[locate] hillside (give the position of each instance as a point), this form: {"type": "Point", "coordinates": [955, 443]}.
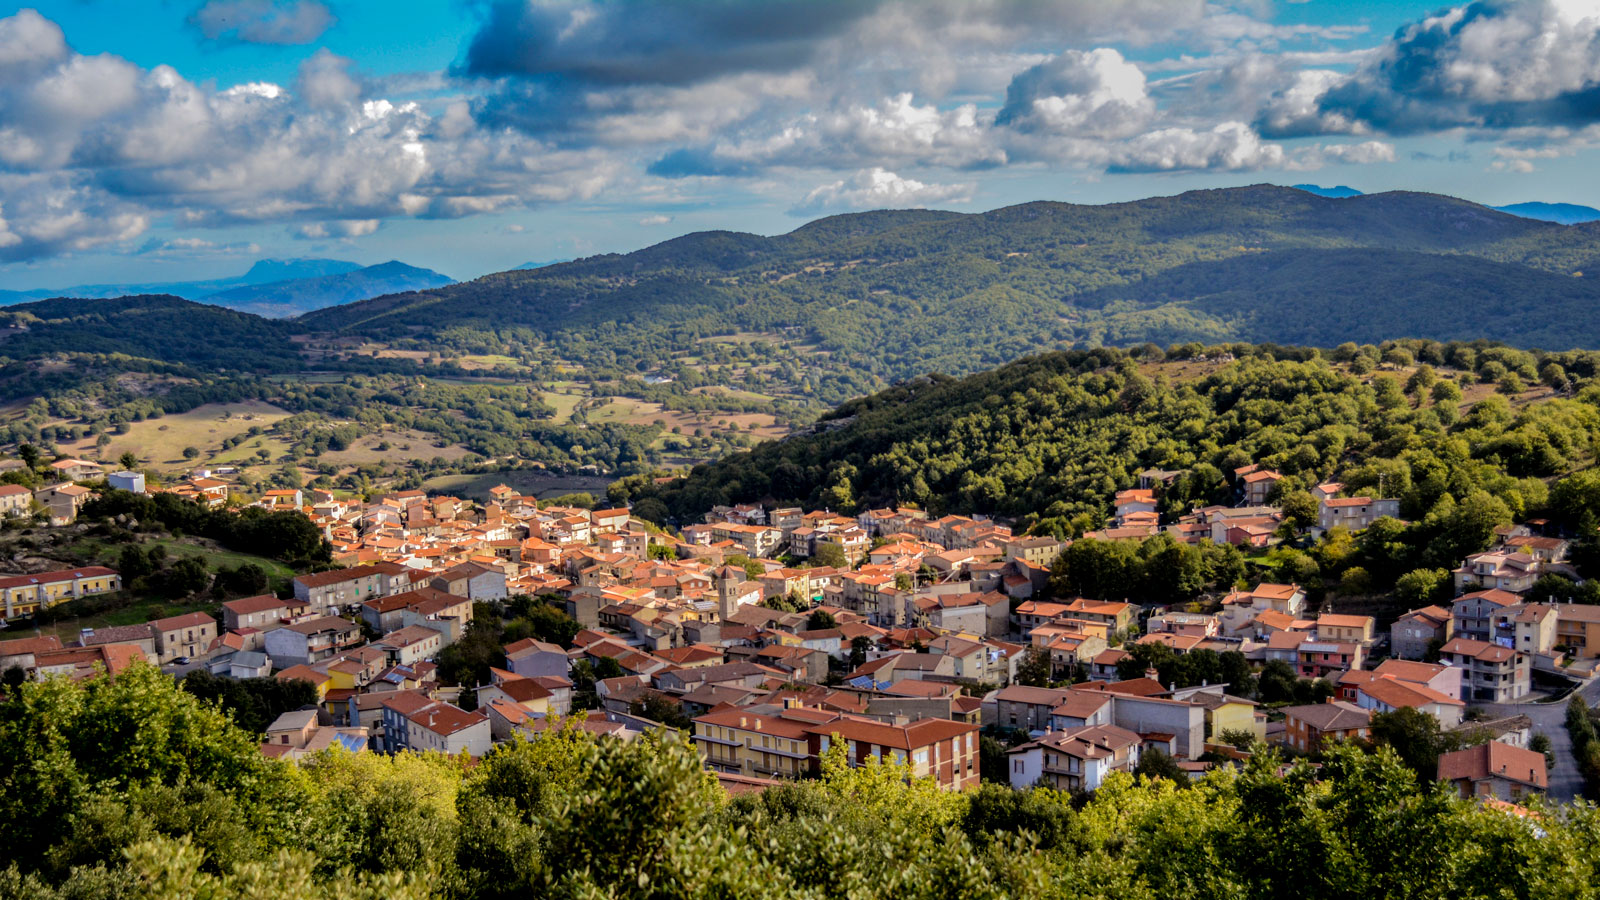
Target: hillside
{"type": "Point", "coordinates": [1049, 439]}
{"type": "Point", "coordinates": [858, 301]}
{"type": "Point", "coordinates": [1565, 213]}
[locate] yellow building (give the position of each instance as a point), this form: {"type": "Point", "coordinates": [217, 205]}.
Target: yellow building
{"type": "Point", "coordinates": [22, 595]}
{"type": "Point", "coordinates": [1578, 627]}
{"type": "Point", "coordinates": [1225, 712]}
{"type": "Point", "coordinates": [764, 740]}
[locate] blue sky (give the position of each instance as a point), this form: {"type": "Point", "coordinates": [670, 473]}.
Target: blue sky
{"type": "Point", "coordinates": [150, 140]}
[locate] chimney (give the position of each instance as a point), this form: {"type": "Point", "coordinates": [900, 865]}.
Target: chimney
{"type": "Point", "coordinates": [1152, 674]}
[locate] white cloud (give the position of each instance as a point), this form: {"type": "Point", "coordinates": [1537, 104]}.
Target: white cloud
{"type": "Point", "coordinates": [1085, 94]}
{"type": "Point", "coordinates": [651, 221]}
{"type": "Point", "coordinates": [339, 228]}
{"type": "Point", "coordinates": [878, 189]}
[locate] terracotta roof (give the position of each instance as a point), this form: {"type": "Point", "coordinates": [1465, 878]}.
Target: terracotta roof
{"type": "Point", "coordinates": [1335, 716]}
{"type": "Point", "coordinates": [1495, 760]}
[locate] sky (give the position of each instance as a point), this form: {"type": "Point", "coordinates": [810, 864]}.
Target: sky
{"type": "Point", "coordinates": [165, 140]}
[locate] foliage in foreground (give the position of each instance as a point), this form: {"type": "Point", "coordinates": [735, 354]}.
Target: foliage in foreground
{"type": "Point", "coordinates": [136, 789]}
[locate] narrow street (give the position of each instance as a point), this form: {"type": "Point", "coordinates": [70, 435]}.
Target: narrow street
{"type": "Point", "coordinates": [1549, 719]}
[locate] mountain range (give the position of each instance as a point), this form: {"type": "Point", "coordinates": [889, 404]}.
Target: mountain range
{"type": "Point", "coordinates": [846, 305]}
{"type": "Point", "coordinates": [1561, 213]}
{"type": "Point", "coordinates": [272, 288]}
{"type": "Point", "coordinates": [893, 294]}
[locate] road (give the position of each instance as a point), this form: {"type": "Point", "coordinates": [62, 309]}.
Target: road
{"type": "Point", "coordinates": [1549, 719]}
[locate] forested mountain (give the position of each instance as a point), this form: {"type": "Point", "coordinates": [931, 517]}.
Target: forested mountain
{"type": "Point", "coordinates": [1565, 213]}
{"type": "Point", "coordinates": [1051, 438]}
{"type": "Point", "coordinates": [881, 296]}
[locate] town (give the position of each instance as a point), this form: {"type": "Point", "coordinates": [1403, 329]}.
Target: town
{"type": "Point", "coordinates": [769, 635]}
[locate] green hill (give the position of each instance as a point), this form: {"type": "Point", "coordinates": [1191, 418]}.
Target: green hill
{"type": "Point", "coordinates": [859, 301]}
{"type": "Point", "coordinates": [1049, 439]}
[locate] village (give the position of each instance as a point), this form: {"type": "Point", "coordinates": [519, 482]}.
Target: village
{"type": "Point", "coordinates": [771, 634]}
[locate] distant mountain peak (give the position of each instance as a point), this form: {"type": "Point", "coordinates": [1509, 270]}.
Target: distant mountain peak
{"type": "Point", "coordinates": [1338, 192]}
{"type": "Point", "coordinates": [1561, 213]}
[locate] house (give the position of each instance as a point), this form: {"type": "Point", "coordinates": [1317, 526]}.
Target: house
{"type": "Point", "coordinates": [1346, 629]}
{"type": "Point", "coordinates": [763, 740]}
{"type": "Point", "coordinates": [15, 500]}
{"type": "Point", "coordinates": [1308, 729]}
{"type": "Point", "coordinates": [1413, 633]}
{"type": "Point", "coordinates": [299, 733]}
{"type": "Point", "coordinates": [411, 645]}
{"type": "Point", "coordinates": [78, 663]}
{"type": "Point", "coordinates": [529, 657]}
{"type": "Point", "coordinates": [1495, 771]}
{"type": "Point", "coordinates": [1027, 708]}
{"type": "Point", "coordinates": [76, 469]}
{"type": "Point", "coordinates": [261, 612]}
{"type": "Point", "coordinates": [132, 635]}
{"type": "Point", "coordinates": [1354, 513]}
{"type": "Point", "coordinates": [21, 652]}
{"type": "Point", "coordinates": [940, 749]}
{"type": "Point", "coordinates": [325, 591]}
{"type": "Point", "coordinates": [442, 728]}
{"type": "Point", "coordinates": [311, 641]}
{"type": "Point", "coordinates": [1489, 673]}
{"type": "Point", "coordinates": [1433, 676]}
{"type": "Point", "coordinates": [473, 581]}
{"type": "Point", "coordinates": [1257, 486]}
{"type": "Point", "coordinates": [1528, 627]}
{"type": "Point", "coordinates": [1078, 759]}
{"type": "Point", "coordinates": [1225, 712]}
{"type": "Point", "coordinates": [22, 595]}
{"type": "Point", "coordinates": [1387, 693]}
{"type": "Point", "coordinates": [181, 637]}
{"type": "Point", "coordinates": [1500, 570]}
{"type": "Point", "coordinates": [1319, 659]}
{"type": "Point", "coordinates": [1473, 613]}
{"type": "Point", "coordinates": [317, 678]}
{"type": "Point", "coordinates": [62, 501]}
{"type": "Point", "coordinates": [1578, 628]}
{"type": "Point", "coordinates": [132, 482]}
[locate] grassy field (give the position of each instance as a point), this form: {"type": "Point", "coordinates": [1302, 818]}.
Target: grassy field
{"type": "Point", "coordinates": [99, 552]}
{"type": "Point", "coordinates": [523, 481]}
{"type": "Point", "coordinates": [160, 442]}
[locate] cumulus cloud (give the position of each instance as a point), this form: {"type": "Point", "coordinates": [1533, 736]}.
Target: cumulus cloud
{"type": "Point", "coordinates": [878, 189]}
{"type": "Point", "coordinates": [93, 147]}
{"type": "Point", "coordinates": [1095, 93]}
{"type": "Point", "coordinates": [1487, 64]}
{"type": "Point", "coordinates": [263, 21]}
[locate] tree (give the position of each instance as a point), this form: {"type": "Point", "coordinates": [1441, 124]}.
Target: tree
{"type": "Point", "coordinates": [1237, 738]}
{"type": "Point", "coordinates": [657, 708]}
{"type": "Point", "coordinates": [1155, 764]}
{"type": "Point", "coordinates": [1300, 509]}
{"type": "Point", "coordinates": [128, 461]}
{"type": "Point", "coordinates": [191, 452]}
{"type": "Point", "coordinates": [1415, 737]}
{"type": "Point", "coordinates": [1034, 670]}
{"type": "Point", "coordinates": [29, 454]}
{"type": "Point", "coordinates": [831, 555]}
{"type": "Point", "coordinates": [821, 619]}
{"type": "Point", "coordinates": [133, 563]}
{"type": "Point", "coordinates": [860, 646]}
{"type": "Point", "coordinates": [185, 577]}
{"type": "Point", "coordinates": [1421, 587]}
